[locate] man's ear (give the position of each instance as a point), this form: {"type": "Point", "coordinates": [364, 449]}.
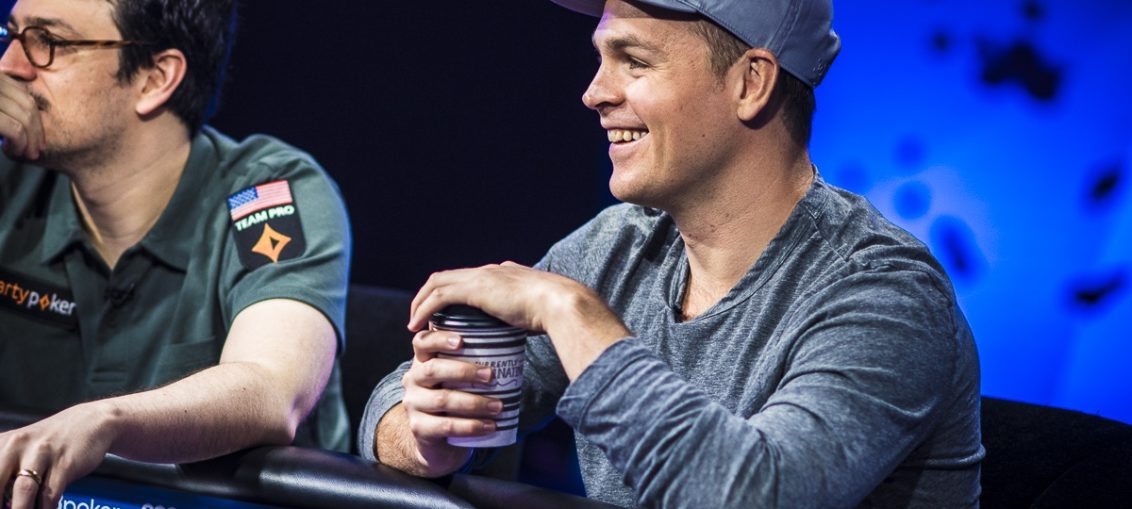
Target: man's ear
{"type": "Point", "coordinates": [760, 74]}
{"type": "Point", "coordinates": [160, 81]}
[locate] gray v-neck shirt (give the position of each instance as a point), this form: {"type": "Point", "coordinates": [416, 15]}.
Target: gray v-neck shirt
{"type": "Point", "coordinates": [838, 372]}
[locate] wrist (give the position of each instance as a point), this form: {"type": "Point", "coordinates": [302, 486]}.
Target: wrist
{"type": "Point", "coordinates": [581, 328]}
{"type": "Point", "coordinates": [106, 419]}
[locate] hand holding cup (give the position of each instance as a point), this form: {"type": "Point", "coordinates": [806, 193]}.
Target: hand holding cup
{"type": "Point", "coordinates": [489, 343]}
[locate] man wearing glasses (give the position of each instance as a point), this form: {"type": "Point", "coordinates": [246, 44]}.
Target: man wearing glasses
{"type": "Point", "coordinates": [169, 294]}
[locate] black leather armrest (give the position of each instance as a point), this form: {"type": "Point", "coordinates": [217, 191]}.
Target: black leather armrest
{"type": "Point", "coordinates": [292, 477]}
{"type": "Point", "coordinates": [488, 493]}
{"type": "Point", "coordinates": [312, 478]}
{"type": "Point", "coordinates": [283, 476]}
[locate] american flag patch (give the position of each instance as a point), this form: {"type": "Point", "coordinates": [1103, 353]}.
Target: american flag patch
{"type": "Point", "coordinates": [258, 198]}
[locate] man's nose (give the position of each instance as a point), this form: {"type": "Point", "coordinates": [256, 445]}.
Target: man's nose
{"type": "Point", "coordinates": [14, 62]}
{"type": "Point", "coordinates": [602, 91]}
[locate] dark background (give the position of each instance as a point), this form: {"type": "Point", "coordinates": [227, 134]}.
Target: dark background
{"type": "Point", "coordinates": [455, 129]}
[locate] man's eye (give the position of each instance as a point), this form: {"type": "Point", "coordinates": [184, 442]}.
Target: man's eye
{"type": "Point", "coordinates": [637, 64]}
{"type": "Point", "coordinates": [44, 39]}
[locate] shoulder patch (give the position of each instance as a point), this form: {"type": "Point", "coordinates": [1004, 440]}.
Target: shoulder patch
{"type": "Point", "coordinates": [37, 299]}
{"type": "Point", "coordinates": [266, 225]}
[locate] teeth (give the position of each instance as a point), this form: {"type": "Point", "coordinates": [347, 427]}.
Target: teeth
{"type": "Point", "coordinates": [623, 135]}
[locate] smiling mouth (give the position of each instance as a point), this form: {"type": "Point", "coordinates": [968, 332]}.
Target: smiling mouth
{"type": "Point", "coordinates": [625, 135]}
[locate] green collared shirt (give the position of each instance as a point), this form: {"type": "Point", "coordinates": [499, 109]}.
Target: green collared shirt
{"type": "Point", "coordinates": [249, 221]}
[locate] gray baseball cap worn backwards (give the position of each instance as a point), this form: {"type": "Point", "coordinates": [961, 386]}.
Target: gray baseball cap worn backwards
{"type": "Point", "coordinates": [798, 32]}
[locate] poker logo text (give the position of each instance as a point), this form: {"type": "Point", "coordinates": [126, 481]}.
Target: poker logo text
{"type": "Point", "coordinates": [30, 299]}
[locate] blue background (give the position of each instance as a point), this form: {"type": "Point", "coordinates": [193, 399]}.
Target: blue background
{"type": "Point", "coordinates": [998, 132]}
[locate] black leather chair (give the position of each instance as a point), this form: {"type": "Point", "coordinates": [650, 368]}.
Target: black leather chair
{"type": "Point", "coordinates": [376, 343]}
{"type": "Point", "coordinates": [1039, 457]}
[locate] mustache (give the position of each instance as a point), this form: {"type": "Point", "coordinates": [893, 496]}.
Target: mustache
{"type": "Point", "coordinates": [40, 102]}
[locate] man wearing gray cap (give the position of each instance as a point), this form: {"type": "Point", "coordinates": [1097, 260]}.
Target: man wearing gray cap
{"type": "Point", "coordinates": [739, 333]}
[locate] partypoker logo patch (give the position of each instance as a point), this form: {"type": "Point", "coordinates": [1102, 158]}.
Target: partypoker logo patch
{"type": "Point", "coordinates": [266, 225]}
{"type": "Point", "coordinates": [271, 243]}
{"type": "Point", "coordinates": [37, 299]}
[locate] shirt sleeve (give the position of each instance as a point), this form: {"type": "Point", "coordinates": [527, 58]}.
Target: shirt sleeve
{"type": "Point", "coordinates": [319, 275]}
{"type": "Point", "coordinates": [872, 358]}
{"type": "Point", "coordinates": [387, 394]}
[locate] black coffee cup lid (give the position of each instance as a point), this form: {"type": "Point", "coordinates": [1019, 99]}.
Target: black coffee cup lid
{"type": "Point", "coordinates": [466, 316]}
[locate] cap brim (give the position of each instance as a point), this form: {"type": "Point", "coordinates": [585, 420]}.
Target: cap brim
{"type": "Point", "coordinates": [590, 7]}
{"type": "Point", "coordinates": [595, 7]}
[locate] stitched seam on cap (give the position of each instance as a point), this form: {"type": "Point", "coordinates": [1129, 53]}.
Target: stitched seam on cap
{"type": "Point", "coordinates": [711, 16]}
{"type": "Point", "coordinates": [789, 21]}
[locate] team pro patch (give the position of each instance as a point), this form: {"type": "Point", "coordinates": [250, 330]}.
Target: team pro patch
{"type": "Point", "coordinates": [265, 222]}
{"type": "Point", "coordinates": [36, 299]}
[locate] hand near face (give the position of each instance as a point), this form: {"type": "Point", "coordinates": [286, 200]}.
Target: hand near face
{"type": "Point", "coordinates": [20, 124]}
{"type": "Point", "coordinates": [578, 321]}
{"type": "Point", "coordinates": [60, 449]}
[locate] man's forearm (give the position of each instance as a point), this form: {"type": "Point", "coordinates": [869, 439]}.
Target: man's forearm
{"type": "Point", "coordinates": [393, 443]}
{"type": "Point", "coordinates": [276, 360]}
{"type": "Point", "coordinates": [216, 411]}
{"type": "Point", "coordinates": [582, 328]}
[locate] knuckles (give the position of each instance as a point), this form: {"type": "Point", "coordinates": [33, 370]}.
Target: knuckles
{"type": "Point", "coordinates": [43, 448]}
{"type": "Point", "coordinates": [428, 370]}
{"type": "Point", "coordinates": [414, 424]}
{"type": "Point", "coordinates": [441, 370]}
{"type": "Point", "coordinates": [441, 399]}
{"type": "Point", "coordinates": [15, 439]}
{"type": "Point", "coordinates": [425, 342]}
{"type": "Point", "coordinates": [439, 293]}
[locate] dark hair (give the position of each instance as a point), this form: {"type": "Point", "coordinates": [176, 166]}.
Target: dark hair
{"type": "Point", "coordinates": [796, 97]}
{"type": "Point", "coordinates": [204, 30]}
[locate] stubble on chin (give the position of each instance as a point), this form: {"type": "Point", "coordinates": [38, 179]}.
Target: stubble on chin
{"type": "Point", "coordinates": [54, 155]}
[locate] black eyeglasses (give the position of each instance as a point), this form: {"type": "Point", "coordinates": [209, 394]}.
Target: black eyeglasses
{"type": "Point", "coordinates": [39, 44]}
